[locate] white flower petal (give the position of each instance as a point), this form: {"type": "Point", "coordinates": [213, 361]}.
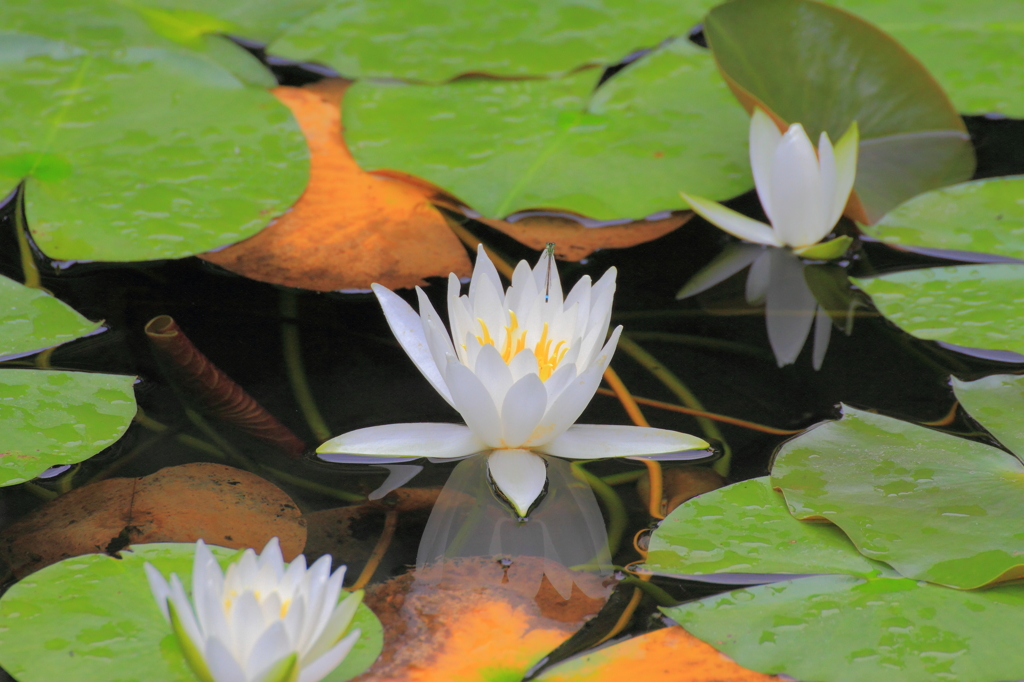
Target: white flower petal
{"type": "Point", "coordinates": [524, 362]}
{"type": "Point", "coordinates": [222, 663]}
{"type": "Point", "coordinates": [524, 406]}
{"type": "Point", "coordinates": [183, 610]}
{"type": "Point", "coordinates": [408, 330]}
{"type": "Point", "coordinates": [474, 403]}
{"type": "Point", "coordinates": [458, 317]}
{"type": "Point", "coordinates": [846, 172]}
{"type": "Point", "coordinates": [736, 224]}
{"type": "Point", "coordinates": [764, 138]}
{"type": "Point", "coordinates": [245, 620]}
{"type": "Point", "coordinates": [523, 289]}
{"type": "Point", "coordinates": [798, 211]}
{"type": "Point", "coordinates": [559, 379]}
{"type": "Point", "coordinates": [339, 621]}
{"type": "Point", "coordinates": [159, 587]}
{"type": "Point", "coordinates": [827, 172]}
{"type": "Point", "coordinates": [580, 294]}
{"type": "Point", "coordinates": [427, 313]}
{"type": "Point", "coordinates": [519, 475]}
{"type": "Point", "coordinates": [322, 666]}
{"type": "Point", "coordinates": [269, 649]}
{"type": "Point", "coordinates": [405, 440]}
{"type": "Point", "coordinates": [493, 373]}
{"type": "Point", "coordinates": [545, 274]}
{"type": "Point", "coordinates": [585, 441]}
{"type": "Point", "coordinates": [484, 270]}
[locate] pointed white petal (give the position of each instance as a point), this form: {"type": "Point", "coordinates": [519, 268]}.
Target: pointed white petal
{"type": "Point", "coordinates": [524, 406]}
{"type": "Point", "coordinates": [339, 621]}
{"type": "Point", "coordinates": [585, 441]}
{"type": "Point", "coordinates": [519, 475]}
{"type": "Point", "coordinates": [183, 609]}
{"type": "Point", "coordinates": [159, 587]}
{"type": "Point", "coordinates": [736, 224]}
{"type": "Point", "coordinates": [764, 138]}
{"type": "Point", "coordinates": [322, 666]}
{"type": "Point", "coordinates": [493, 373]}
{"type": "Point", "coordinates": [405, 440]}
{"type": "Point", "coordinates": [271, 647]}
{"type": "Point", "coordinates": [487, 306]}
{"type": "Point", "coordinates": [427, 312]}
{"type": "Point", "coordinates": [408, 329]}
{"type": "Point", "coordinates": [798, 211]}
{"type": "Point", "coordinates": [484, 270]}
{"type": "Point", "coordinates": [827, 172]}
{"type": "Point", "coordinates": [734, 257]}
{"type": "Point", "coordinates": [245, 620]}
{"type": "Point", "coordinates": [474, 403]}
{"type": "Point", "coordinates": [559, 379]}
{"type": "Point", "coordinates": [846, 171]}
{"type": "Point", "coordinates": [525, 362]}
{"type": "Point", "coordinates": [545, 274]}
{"type": "Point", "coordinates": [221, 663]}
{"type": "Point", "coordinates": [523, 289]}
{"type": "Point", "coordinates": [458, 317]}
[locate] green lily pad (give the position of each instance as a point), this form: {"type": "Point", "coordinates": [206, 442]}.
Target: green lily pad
{"type": "Point", "coordinates": [845, 629]}
{"type": "Point", "coordinates": [142, 153]}
{"type": "Point", "coordinates": [998, 403]}
{"type": "Point", "coordinates": [931, 505]}
{"type": "Point", "coordinates": [98, 612]}
{"type": "Point", "coordinates": [973, 49]}
{"type": "Point", "coordinates": [51, 417]}
{"type": "Point", "coordinates": [367, 39]}
{"type": "Point", "coordinates": [968, 305]}
{"type": "Point", "coordinates": [984, 216]}
{"type": "Point", "coordinates": [32, 320]}
{"type": "Point", "coordinates": [810, 63]}
{"type": "Point", "coordinates": [501, 146]}
{"type": "Point", "coordinates": [746, 529]}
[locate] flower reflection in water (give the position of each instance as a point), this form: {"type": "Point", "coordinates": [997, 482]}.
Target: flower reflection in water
{"type": "Point", "coordinates": [566, 530]}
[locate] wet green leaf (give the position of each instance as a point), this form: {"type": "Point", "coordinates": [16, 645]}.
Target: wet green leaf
{"type": "Point", "coordinates": [824, 68]}
{"type": "Point", "coordinates": [746, 528]}
{"type": "Point", "coordinates": [50, 417]}
{"type": "Point", "coordinates": [973, 49]}
{"type": "Point", "coordinates": [984, 216]}
{"type": "Point", "coordinates": [968, 305]}
{"type": "Point", "coordinates": [529, 38]}
{"type": "Point", "coordinates": [663, 123]}
{"type": "Point", "coordinates": [844, 629]}
{"type": "Point", "coordinates": [998, 403]}
{"type": "Point", "coordinates": [933, 506]}
{"type": "Point", "coordinates": [830, 250]}
{"type": "Point", "coordinates": [32, 320]}
{"type": "Point", "coordinates": [98, 612]}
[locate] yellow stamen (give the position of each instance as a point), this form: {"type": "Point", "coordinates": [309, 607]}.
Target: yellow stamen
{"type": "Point", "coordinates": [487, 335]}
{"type": "Point", "coordinates": [548, 358]}
{"type": "Point", "coordinates": [284, 607]}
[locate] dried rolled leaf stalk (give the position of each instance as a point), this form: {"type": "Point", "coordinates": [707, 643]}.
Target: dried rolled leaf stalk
{"type": "Point", "coordinates": [211, 390]}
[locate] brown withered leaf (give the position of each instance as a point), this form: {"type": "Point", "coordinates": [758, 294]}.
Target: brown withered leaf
{"type": "Point", "coordinates": [349, 228]}
{"type": "Point", "coordinates": [220, 504]}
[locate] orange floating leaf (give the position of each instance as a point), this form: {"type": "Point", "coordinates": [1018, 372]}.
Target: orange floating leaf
{"type": "Point", "coordinates": [349, 228]}
{"type": "Point", "coordinates": [667, 655]}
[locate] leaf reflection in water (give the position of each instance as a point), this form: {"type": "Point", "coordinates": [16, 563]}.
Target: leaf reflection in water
{"type": "Point", "coordinates": [566, 530]}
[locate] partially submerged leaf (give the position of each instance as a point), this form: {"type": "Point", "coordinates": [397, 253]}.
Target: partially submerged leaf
{"type": "Point", "coordinates": [98, 612]}
{"type": "Point", "coordinates": [50, 417]}
{"type": "Point", "coordinates": [933, 506]}
{"type": "Point", "coordinates": [967, 305]}
{"type": "Point", "coordinates": [805, 62]}
{"type": "Point", "coordinates": [220, 504]}
{"type": "Point", "coordinates": [666, 655]}
{"type": "Point", "coordinates": [32, 320]}
{"type": "Point", "coordinates": [845, 629]}
{"type": "Point", "coordinates": [349, 228]}
{"type": "Point", "coordinates": [997, 402]}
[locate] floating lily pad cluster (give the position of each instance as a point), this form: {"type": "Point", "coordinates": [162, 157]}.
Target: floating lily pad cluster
{"type": "Point", "coordinates": [49, 417]}
{"type": "Point", "coordinates": [888, 548]}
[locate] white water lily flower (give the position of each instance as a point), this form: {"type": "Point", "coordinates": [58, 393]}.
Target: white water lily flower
{"type": "Point", "coordinates": [520, 366]}
{"type": "Point", "coordinates": [802, 193]}
{"type": "Point", "coordinates": [261, 622]}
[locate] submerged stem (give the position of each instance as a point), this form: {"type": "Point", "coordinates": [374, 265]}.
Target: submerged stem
{"type": "Point", "coordinates": [390, 523]}
{"type": "Point", "coordinates": [294, 366]}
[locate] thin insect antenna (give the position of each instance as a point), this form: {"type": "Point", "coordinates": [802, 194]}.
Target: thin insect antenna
{"type": "Point", "coordinates": [550, 248]}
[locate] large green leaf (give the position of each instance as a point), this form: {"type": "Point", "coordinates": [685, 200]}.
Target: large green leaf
{"type": "Point", "coordinates": [663, 123]}
{"type": "Point", "coordinates": [97, 614]}
{"type": "Point", "coordinates": [810, 63]}
{"type": "Point", "coordinates": [984, 216]}
{"type": "Point", "coordinates": [998, 403]}
{"type": "Point", "coordinates": [844, 629]}
{"type": "Point", "coordinates": [31, 320]}
{"type": "Point", "coordinates": [933, 506]}
{"type": "Point", "coordinates": [50, 417]}
{"type": "Point", "coordinates": [436, 40]}
{"type": "Point", "coordinates": [142, 153]}
{"type": "Point", "coordinates": [973, 49]}
{"type": "Point", "coordinates": [746, 528]}
{"type": "Point", "coordinates": [968, 305]}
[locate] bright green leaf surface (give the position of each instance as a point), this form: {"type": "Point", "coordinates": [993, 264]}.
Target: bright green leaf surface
{"type": "Point", "coordinates": [974, 49]}
{"type": "Point", "coordinates": [31, 320]}
{"type": "Point", "coordinates": [661, 125]}
{"type": "Point", "coordinates": [985, 216]}
{"type": "Point", "coordinates": [163, 153]}
{"type": "Point", "coordinates": [384, 39]}
{"type": "Point", "coordinates": [968, 305]}
{"type": "Point", "coordinates": [842, 629]}
{"type": "Point", "coordinates": [998, 403]}
{"type": "Point", "coordinates": [747, 528]}
{"type": "Point", "coordinates": [49, 418]}
{"type": "Point", "coordinates": [813, 64]}
{"type": "Point", "coordinates": [933, 506]}
{"type": "Point", "coordinates": [98, 613]}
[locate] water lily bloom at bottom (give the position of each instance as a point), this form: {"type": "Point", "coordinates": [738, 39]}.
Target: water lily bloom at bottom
{"type": "Point", "coordinates": [261, 622]}
{"type": "Point", "coordinates": [520, 366]}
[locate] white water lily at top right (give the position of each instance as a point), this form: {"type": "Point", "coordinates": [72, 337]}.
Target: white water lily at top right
{"type": "Point", "coordinates": [802, 192]}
